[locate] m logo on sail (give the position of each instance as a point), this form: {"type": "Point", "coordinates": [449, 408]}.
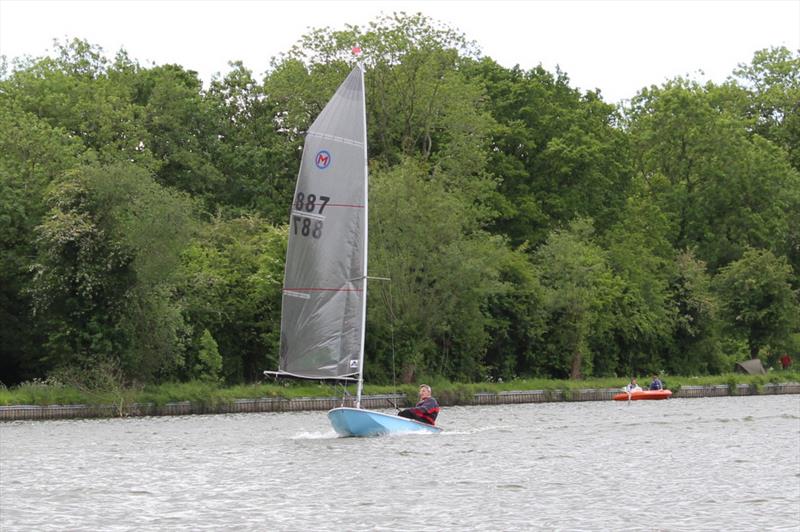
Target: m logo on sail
{"type": "Point", "coordinates": [322, 160]}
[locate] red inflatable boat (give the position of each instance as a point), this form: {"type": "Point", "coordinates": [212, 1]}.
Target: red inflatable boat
{"type": "Point", "coordinates": [644, 394]}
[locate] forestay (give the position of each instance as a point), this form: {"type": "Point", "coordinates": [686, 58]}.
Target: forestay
{"type": "Point", "coordinates": [324, 289]}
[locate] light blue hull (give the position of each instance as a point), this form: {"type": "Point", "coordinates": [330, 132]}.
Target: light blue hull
{"type": "Point", "coordinates": [358, 422]}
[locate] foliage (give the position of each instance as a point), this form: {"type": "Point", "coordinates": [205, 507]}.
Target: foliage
{"type": "Point", "coordinates": [182, 134]}
{"type": "Point", "coordinates": [772, 82]}
{"type": "Point", "coordinates": [52, 392]}
{"type": "Point", "coordinates": [721, 189]}
{"type": "Point", "coordinates": [579, 289]}
{"type": "Point", "coordinates": [442, 270]}
{"type": "Point", "coordinates": [209, 361]}
{"type": "Point", "coordinates": [530, 229]}
{"type": "Point", "coordinates": [258, 162]}
{"type": "Point", "coordinates": [518, 319]}
{"type": "Point", "coordinates": [230, 280]}
{"type": "Point", "coordinates": [758, 300]}
{"type": "Point", "coordinates": [642, 315]}
{"type": "Point", "coordinates": [556, 151]}
{"type": "Point", "coordinates": [695, 339]}
{"type": "Point", "coordinates": [32, 155]}
{"type": "Point", "coordinates": [105, 267]}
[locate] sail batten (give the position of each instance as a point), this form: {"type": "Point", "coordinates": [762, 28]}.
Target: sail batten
{"type": "Point", "coordinates": [324, 291]}
{"type": "Point", "coordinates": [353, 142]}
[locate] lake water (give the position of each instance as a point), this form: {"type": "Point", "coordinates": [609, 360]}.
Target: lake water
{"type": "Point", "coordinates": [729, 463]}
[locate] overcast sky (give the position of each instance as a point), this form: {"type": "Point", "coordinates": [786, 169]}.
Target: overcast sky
{"type": "Point", "coordinates": [616, 46]}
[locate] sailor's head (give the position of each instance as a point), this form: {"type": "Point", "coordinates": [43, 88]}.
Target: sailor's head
{"type": "Point", "coordinates": [424, 391]}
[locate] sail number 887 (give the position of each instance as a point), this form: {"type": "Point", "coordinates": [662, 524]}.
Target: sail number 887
{"type": "Point", "coordinates": [310, 202]}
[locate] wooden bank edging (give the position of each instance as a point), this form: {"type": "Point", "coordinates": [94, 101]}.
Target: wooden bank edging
{"type": "Point", "coordinates": [279, 404]}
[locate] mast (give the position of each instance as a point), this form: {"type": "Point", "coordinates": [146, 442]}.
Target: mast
{"type": "Point", "coordinates": [357, 51]}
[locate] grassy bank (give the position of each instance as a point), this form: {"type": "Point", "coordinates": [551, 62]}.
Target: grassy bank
{"type": "Point", "coordinates": [53, 393]}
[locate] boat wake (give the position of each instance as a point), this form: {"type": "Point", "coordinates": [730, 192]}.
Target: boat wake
{"type": "Point", "coordinates": [477, 430]}
{"type": "Point", "coordinates": [328, 435]}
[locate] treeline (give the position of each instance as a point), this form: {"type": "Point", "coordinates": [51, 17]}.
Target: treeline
{"type": "Point", "coordinates": [529, 229]}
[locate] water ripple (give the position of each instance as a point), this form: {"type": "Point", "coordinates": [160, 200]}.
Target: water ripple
{"type": "Point", "coordinates": [698, 464]}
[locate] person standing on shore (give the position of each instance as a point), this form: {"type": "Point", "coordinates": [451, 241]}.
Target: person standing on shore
{"type": "Point", "coordinates": [425, 410]}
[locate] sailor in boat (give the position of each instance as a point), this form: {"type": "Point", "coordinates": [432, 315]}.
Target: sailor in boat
{"type": "Point", "coordinates": [656, 383]}
{"type": "Point", "coordinates": [425, 410]}
{"type": "Point", "coordinates": [633, 386]}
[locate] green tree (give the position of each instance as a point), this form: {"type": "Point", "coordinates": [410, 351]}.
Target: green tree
{"type": "Point", "coordinates": [579, 289]}
{"type": "Point", "coordinates": [695, 345]}
{"type": "Point", "coordinates": [517, 319]}
{"type": "Point", "coordinates": [721, 189]}
{"type": "Point", "coordinates": [418, 102]}
{"type": "Point", "coordinates": [771, 83]}
{"type": "Point", "coordinates": [555, 151]}
{"type": "Point", "coordinates": [443, 270]}
{"type": "Point", "coordinates": [641, 257]}
{"type": "Point", "coordinates": [182, 132]}
{"type": "Point", "coordinates": [231, 278]}
{"type": "Point", "coordinates": [105, 260]}
{"type": "Point", "coordinates": [758, 302]}
{"type": "Point", "coordinates": [82, 92]}
{"type": "Point", "coordinates": [772, 80]}
{"type": "Point", "coordinates": [258, 162]}
{"type": "Point", "coordinates": [32, 155]}
{"type": "Point", "coordinates": [209, 361]}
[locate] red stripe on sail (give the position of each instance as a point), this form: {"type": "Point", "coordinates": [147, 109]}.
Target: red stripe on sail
{"type": "Point", "coordinates": [323, 290]}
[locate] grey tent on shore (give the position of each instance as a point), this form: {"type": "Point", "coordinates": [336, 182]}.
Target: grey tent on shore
{"type": "Point", "coordinates": [751, 367]}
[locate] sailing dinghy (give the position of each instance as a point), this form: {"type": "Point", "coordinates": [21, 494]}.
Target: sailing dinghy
{"type": "Point", "coordinates": [324, 298]}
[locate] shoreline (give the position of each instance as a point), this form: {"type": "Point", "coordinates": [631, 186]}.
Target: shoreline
{"type": "Point", "coordinates": [301, 404]}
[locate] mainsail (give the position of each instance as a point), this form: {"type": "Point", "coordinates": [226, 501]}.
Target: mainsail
{"type": "Point", "coordinates": [324, 287]}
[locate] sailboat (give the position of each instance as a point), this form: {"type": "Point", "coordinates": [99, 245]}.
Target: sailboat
{"type": "Point", "coordinates": [324, 301]}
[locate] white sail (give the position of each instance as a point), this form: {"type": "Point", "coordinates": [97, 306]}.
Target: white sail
{"type": "Point", "coordinates": [324, 289]}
